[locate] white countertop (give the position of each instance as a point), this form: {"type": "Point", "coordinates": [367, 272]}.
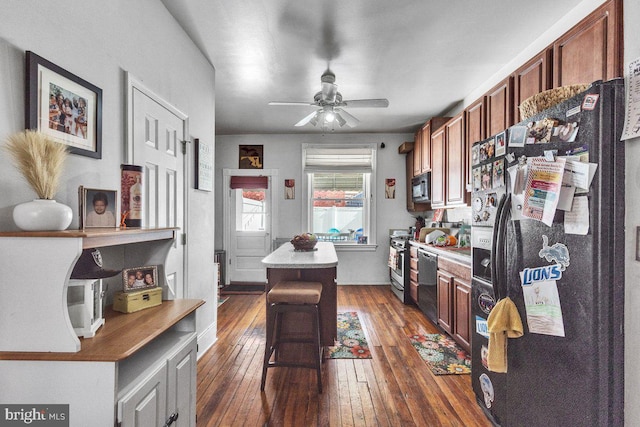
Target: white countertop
{"type": "Point", "coordinates": [462, 255]}
{"type": "Point", "coordinates": [286, 257]}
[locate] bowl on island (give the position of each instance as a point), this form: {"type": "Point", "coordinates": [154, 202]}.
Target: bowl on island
{"type": "Point", "coordinates": [304, 242]}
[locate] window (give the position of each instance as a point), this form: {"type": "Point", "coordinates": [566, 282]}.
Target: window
{"type": "Point", "coordinates": [252, 208]}
{"type": "Point", "coordinates": [340, 180]}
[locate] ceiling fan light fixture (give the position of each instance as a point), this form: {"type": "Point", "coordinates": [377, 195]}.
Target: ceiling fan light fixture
{"type": "Point", "coordinates": [341, 121]}
{"type": "Point", "coordinates": [329, 116]}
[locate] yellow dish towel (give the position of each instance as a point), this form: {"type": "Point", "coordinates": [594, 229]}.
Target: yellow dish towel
{"type": "Point", "coordinates": [503, 322]}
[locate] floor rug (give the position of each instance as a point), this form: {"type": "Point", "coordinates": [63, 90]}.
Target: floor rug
{"type": "Point", "coordinates": [442, 354]}
{"type": "Point", "coordinates": [242, 289]}
{"type": "Point", "coordinates": [351, 342]}
{"type": "Point", "coordinates": [222, 300]}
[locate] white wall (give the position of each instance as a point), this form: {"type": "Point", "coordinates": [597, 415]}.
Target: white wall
{"type": "Point", "coordinates": [284, 153]}
{"type": "Point", "coordinates": [98, 41]}
{"type": "Point", "coordinates": [632, 267]}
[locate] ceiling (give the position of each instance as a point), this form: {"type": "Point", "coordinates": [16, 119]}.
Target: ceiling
{"type": "Point", "coordinates": [424, 56]}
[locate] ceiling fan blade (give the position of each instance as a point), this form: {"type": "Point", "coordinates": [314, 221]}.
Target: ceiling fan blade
{"type": "Point", "coordinates": [308, 118]}
{"type": "Point", "coordinates": [365, 103]}
{"type": "Point", "coordinates": [292, 103]}
{"type": "Point", "coordinates": [348, 119]}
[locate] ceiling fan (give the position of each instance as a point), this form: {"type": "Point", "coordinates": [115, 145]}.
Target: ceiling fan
{"type": "Point", "coordinates": [331, 106]}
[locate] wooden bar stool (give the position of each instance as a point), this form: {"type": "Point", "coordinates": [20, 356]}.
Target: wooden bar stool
{"type": "Point", "coordinates": [287, 297]}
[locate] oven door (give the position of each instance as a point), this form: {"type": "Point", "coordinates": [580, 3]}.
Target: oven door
{"type": "Point", "coordinates": [399, 276]}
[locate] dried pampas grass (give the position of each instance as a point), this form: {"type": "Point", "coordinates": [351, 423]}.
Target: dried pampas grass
{"type": "Point", "coordinates": [40, 159]}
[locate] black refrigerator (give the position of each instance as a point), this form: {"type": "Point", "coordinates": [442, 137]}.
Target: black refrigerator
{"type": "Point", "coordinates": [568, 367]}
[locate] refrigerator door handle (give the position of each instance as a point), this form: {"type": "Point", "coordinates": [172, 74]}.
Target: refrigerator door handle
{"type": "Point", "coordinates": [495, 237]}
{"type": "Point", "coordinates": [501, 268]}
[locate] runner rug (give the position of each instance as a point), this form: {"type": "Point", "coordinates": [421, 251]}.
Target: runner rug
{"type": "Point", "coordinates": [442, 354]}
{"type": "Point", "coordinates": [351, 342]}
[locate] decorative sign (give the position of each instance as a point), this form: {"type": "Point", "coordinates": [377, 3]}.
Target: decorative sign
{"type": "Point", "coordinates": [250, 156]}
{"type": "Point", "coordinates": [204, 166]}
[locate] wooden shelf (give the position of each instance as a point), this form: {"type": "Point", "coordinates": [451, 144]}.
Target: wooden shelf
{"type": "Point", "coordinates": [101, 237]}
{"type": "Point", "coordinates": [122, 334]}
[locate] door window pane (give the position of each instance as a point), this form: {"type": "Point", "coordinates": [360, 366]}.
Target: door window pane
{"type": "Point", "coordinates": [251, 210]}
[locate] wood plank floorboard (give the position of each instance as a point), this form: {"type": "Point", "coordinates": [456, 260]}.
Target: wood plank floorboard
{"type": "Point", "coordinates": [393, 388]}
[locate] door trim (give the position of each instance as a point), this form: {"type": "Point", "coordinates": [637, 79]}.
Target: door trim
{"type": "Point", "coordinates": [134, 83]}
{"type": "Point", "coordinates": [274, 187]}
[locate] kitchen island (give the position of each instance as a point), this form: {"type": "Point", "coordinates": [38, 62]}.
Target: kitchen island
{"type": "Point", "coordinates": [318, 265]}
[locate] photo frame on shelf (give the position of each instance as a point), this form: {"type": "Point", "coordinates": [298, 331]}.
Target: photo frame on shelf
{"type": "Point", "coordinates": [98, 208]}
{"type": "Point", "coordinates": [139, 278]}
{"type": "Point", "coordinates": [63, 106]}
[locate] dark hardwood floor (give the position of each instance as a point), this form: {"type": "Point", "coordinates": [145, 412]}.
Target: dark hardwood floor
{"type": "Point", "coordinates": [394, 388]}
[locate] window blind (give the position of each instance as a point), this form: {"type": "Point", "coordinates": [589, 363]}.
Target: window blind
{"type": "Point", "coordinates": [335, 159]}
{"type": "Point", "coordinates": [249, 182]}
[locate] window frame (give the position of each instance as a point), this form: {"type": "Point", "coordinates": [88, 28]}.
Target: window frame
{"type": "Point", "coordinates": [369, 202]}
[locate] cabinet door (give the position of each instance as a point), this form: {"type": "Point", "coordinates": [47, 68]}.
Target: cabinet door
{"type": "Point", "coordinates": [455, 161]}
{"type": "Point", "coordinates": [474, 130]}
{"type": "Point", "coordinates": [532, 78]}
{"type": "Point", "coordinates": [591, 50]}
{"type": "Point", "coordinates": [426, 147]}
{"type": "Point", "coordinates": [146, 405]}
{"type": "Point", "coordinates": [499, 107]}
{"type": "Point", "coordinates": [437, 168]}
{"type": "Point", "coordinates": [181, 385]}
{"type": "Point", "coordinates": [462, 321]}
{"type": "Point", "coordinates": [417, 153]}
{"type": "Point", "coordinates": [445, 303]}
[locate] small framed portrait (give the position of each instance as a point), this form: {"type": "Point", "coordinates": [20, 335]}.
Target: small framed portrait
{"type": "Point", "coordinates": [390, 188]}
{"type": "Point", "coordinates": [98, 208]}
{"type": "Point", "coordinates": [475, 154]}
{"type": "Point", "coordinates": [63, 106]}
{"type": "Point", "coordinates": [289, 189]}
{"type": "Point", "coordinates": [362, 240]}
{"type": "Point", "coordinates": [517, 136]}
{"type": "Point", "coordinates": [501, 143]}
{"type": "Point", "coordinates": [138, 278]}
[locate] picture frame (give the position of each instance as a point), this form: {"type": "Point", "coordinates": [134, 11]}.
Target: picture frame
{"type": "Point", "coordinates": [637, 243]}
{"type": "Point", "coordinates": [98, 208]}
{"type": "Point", "coordinates": [139, 278]}
{"type": "Point", "coordinates": [289, 189]}
{"type": "Point", "coordinates": [63, 106]}
{"type": "Point", "coordinates": [501, 144]}
{"type": "Point", "coordinates": [203, 166]}
{"type": "Point", "coordinates": [250, 156]}
{"type": "Point", "coordinates": [517, 136]}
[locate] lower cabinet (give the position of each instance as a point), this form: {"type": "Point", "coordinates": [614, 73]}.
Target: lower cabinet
{"type": "Point", "coordinates": [166, 394]}
{"type": "Point", "coordinates": [454, 301]}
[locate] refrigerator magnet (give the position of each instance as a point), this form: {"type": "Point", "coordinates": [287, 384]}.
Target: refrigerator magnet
{"type": "Point", "coordinates": [590, 101]}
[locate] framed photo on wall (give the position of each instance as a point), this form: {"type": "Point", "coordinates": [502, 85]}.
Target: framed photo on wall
{"type": "Point", "coordinates": [63, 106]}
{"type": "Point", "coordinates": [250, 156]}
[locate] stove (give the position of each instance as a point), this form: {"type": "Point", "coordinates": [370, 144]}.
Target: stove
{"type": "Point", "coordinates": [399, 265]}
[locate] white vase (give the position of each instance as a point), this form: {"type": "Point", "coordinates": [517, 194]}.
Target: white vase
{"type": "Point", "coordinates": [42, 215]}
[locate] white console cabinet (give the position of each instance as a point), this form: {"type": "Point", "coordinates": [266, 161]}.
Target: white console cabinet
{"type": "Point", "coordinates": [138, 370]}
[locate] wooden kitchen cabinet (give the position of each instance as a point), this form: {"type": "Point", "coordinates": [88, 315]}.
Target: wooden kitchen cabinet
{"type": "Point", "coordinates": [592, 49]}
{"type": "Point", "coordinates": [438, 168]}
{"type": "Point", "coordinates": [531, 78]}
{"type": "Point", "coordinates": [411, 206]}
{"type": "Point", "coordinates": [454, 300]}
{"type": "Point", "coordinates": [456, 161]}
{"type": "Point", "coordinates": [413, 273]}
{"type": "Point", "coordinates": [417, 154]}
{"type": "Point", "coordinates": [474, 117]}
{"type": "Point", "coordinates": [425, 152]}
{"type": "Point", "coordinates": [499, 107]}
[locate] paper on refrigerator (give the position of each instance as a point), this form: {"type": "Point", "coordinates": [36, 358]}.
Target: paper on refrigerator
{"type": "Point", "coordinates": [542, 192]}
{"type": "Point", "coordinates": [631, 127]}
{"type": "Point", "coordinates": [542, 301]}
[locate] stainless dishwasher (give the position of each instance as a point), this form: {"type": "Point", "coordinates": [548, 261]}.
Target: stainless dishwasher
{"type": "Point", "coordinates": [428, 284]}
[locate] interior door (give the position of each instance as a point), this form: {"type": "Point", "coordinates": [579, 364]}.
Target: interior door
{"type": "Point", "coordinates": [158, 132]}
{"type": "Point", "coordinates": [250, 233]}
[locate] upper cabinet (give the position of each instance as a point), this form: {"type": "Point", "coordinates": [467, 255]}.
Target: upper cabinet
{"type": "Point", "coordinates": [417, 153]}
{"type": "Point", "coordinates": [456, 158]}
{"type": "Point", "coordinates": [531, 78]}
{"type": "Point", "coordinates": [474, 117]}
{"type": "Point", "coordinates": [438, 168]}
{"type": "Point", "coordinates": [591, 50]}
{"type": "Point", "coordinates": [499, 107]}
{"type": "Point", "coordinates": [425, 153]}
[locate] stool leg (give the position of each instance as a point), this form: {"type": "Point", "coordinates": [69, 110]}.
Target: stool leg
{"type": "Point", "coordinates": [318, 346]}
{"type": "Point", "coordinates": [271, 317]}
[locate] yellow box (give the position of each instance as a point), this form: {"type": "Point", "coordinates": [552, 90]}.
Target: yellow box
{"type": "Point", "coordinates": [128, 302]}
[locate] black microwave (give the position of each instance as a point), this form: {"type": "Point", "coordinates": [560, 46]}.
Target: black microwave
{"type": "Point", "coordinates": [420, 188]}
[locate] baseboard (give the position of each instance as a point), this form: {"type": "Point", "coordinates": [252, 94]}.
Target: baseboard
{"type": "Point", "coordinates": [207, 338]}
